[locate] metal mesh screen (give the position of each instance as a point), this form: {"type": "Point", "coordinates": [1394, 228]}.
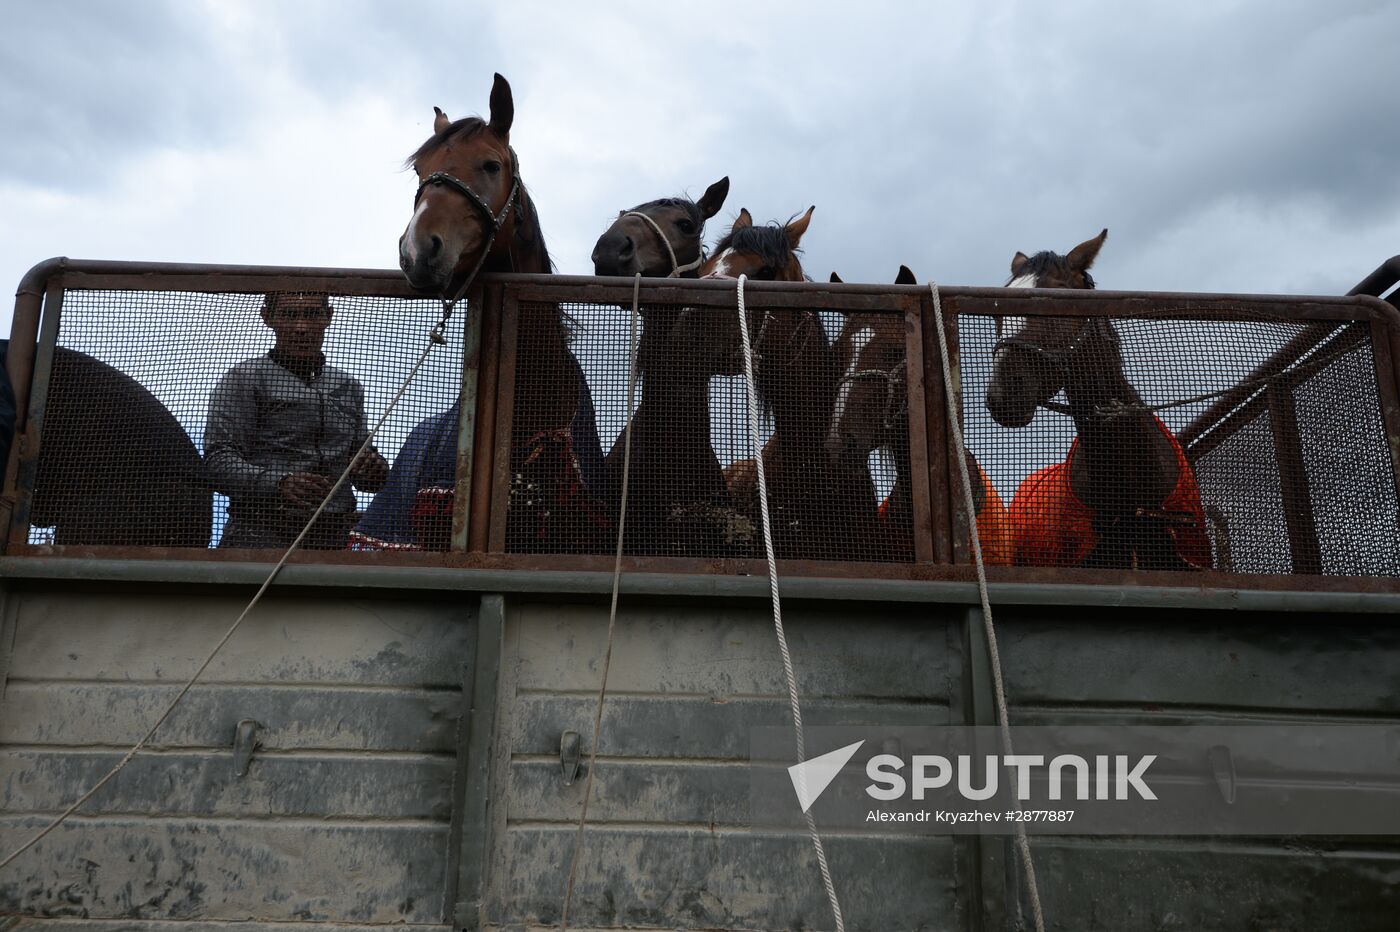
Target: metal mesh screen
{"type": "Point", "coordinates": [1291, 473]}
{"type": "Point", "coordinates": [835, 492]}
{"type": "Point", "coordinates": [140, 379]}
{"type": "Point", "coordinates": [1176, 439]}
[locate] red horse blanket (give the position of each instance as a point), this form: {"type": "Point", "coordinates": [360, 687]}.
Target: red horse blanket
{"type": "Point", "coordinates": [1052, 527]}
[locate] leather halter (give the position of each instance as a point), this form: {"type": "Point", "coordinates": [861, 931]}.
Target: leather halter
{"type": "Point", "coordinates": [894, 377]}
{"type": "Point", "coordinates": [493, 220]}
{"type": "Point", "coordinates": [1060, 358]}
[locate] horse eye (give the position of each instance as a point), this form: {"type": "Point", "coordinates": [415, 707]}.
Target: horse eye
{"type": "Point", "coordinates": [766, 272]}
{"type": "Point", "coordinates": [686, 226]}
{"type": "Point", "coordinates": [491, 167]}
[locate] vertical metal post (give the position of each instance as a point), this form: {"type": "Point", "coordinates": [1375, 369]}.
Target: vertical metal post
{"type": "Point", "coordinates": [29, 440]}
{"type": "Point", "coordinates": [938, 434]}
{"type": "Point", "coordinates": [470, 833]}
{"type": "Point", "coordinates": [466, 420]}
{"type": "Point", "coordinates": [1293, 480]}
{"type": "Point", "coordinates": [991, 853]}
{"type": "Point", "coordinates": [916, 407]}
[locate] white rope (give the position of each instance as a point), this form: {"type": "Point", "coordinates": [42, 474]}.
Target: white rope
{"type": "Point", "coordinates": [788, 673]}
{"type": "Point", "coordinates": [676, 267]}
{"type": "Point", "coordinates": [1023, 844]}
{"type": "Point", "coordinates": [612, 610]}
{"type": "Point", "coordinates": [435, 337]}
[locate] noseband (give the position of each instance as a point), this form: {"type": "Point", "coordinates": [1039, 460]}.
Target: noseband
{"type": "Point", "coordinates": [1058, 359]}
{"type": "Point", "coordinates": [1062, 358]}
{"type": "Point", "coordinates": [493, 220]}
{"type": "Point", "coordinates": [676, 267]}
{"type": "Point", "coordinates": [894, 377]}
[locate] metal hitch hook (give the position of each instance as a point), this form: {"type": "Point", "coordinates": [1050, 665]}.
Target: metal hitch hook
{"type": "Point", "coordinates": [245, 741]}
{"type": "Point", "coordinates": [570, 756]}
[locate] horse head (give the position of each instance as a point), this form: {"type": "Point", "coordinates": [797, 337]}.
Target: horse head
{"type": "Point", "coordinates": [763, 253]}
{"type": "Point", "coordinates": [661, 238]}
{"type": "Point", "coordinates": [1033, 354]}
{"type": "Point", "coordinates": [471, 207]}
{"type": "Point", "coordinates": [871, 393]}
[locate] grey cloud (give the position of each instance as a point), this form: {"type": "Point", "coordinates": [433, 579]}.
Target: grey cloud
{"type": "Point", "coordinates": [88, 85]}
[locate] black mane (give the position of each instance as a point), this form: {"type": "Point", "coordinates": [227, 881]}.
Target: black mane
{"type": "Point", "coordinates": [770, 242]}
{"type": "Point", "coordinates": [683, 203]}
{"type": "Point", "coordinates": [1048, 261]}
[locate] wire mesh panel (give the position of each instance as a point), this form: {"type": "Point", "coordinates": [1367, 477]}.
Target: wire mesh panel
{"type": "Point", "coordinates": [199, 419]}
{"type": "Point", "coordinates": [834, 433]}
{"type": "Point", "coordinates": [1172, 440]}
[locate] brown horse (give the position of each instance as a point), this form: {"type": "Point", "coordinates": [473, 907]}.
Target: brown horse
{"type": "Point", "coordinates": [1125, 497]}
{"type": "Point", "coordinates": [795, 378]}
{"type": "Point", "coordinates": [663, 238]}
{"type": "Point", "coordinates": [872, 412]}
{"type": "Point", "coordinates": [678, 504]}
{"type": "Point", "coordinates": [473, 213]}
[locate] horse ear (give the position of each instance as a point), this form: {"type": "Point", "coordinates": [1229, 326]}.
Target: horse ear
{"type": "Point", "coordinates": [797, 227]}
{"type": "Point", "coordinates": [905, 277]}
{"type": "Point", "coordinates": [440, 121]}
{"type": "Point", "coordinates": [502, 109]}
{"type": "Point", "coordinates": [836, 279]}
{"type": "Point", "coordinates": [1083, 255]}
{"type": "Point", "coordinates": [713, 198]}
{"type": "Point", "coordinates": [1018, 263]}
{"type": "Point", "coordinates": [745, 219]}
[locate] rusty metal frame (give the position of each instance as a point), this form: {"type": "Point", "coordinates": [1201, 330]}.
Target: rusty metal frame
{"type": "Point", "coordinates": [479, 530]}
{"type": "Point", "coordinates": [29, 439]}
{"type": "Point", "coordinates": [916, 412]}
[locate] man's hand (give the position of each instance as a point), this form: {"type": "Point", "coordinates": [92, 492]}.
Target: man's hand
{"type": "Point", "coordinates": [304, 488]}
{"type": "Point", "coordinates": [370, 471]}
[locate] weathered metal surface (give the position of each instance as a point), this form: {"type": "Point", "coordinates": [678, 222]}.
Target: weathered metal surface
{"type": "Point", "coordinates": [692, 877]}
{"type": "Point", "coordinates": [474, 796]}
{"type": "Point", "coordinates": [212, 869]}
{"type": "Point", "coordinates": [1159, 667]}
{"type": "Point", "coordinates": [198, 783]}
{"type": "Point", "coordinates": [343, 814]}
{"type": "Point", "coordinates": [668, 844]}
{"type": "Point", "coordinates": [1294, 884]}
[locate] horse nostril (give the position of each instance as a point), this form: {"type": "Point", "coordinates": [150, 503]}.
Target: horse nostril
{"type": "Point", "coordinates": [628, 247]}
{"type": "Point", "coordinates": [435, 245]}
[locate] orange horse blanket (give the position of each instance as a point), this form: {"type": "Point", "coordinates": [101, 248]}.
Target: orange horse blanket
{"type": "Point", "coordinates": [993, 523]}
{"type": "Point", "coordinates": [1052, 527]}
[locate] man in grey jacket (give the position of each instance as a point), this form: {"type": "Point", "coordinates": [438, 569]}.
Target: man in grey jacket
{"type": "Point", "coordinates": [282, 428]}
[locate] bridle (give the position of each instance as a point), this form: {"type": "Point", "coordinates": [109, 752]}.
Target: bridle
{"type": "Point", "coordinates": [1058, 359]}
{"type": "Point", "coordinates": [1062, 359]}
{"type": "Point", "coordinates": [493, 220]}
{"type": "Point", "coordinates": [895, 377]}
{"type": "Point", "coordinates": [676, 267]}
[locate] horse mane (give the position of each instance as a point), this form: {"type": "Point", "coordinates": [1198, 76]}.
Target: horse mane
{"type": "Point", "coordinates": [1048, 261]}
{"type": "Point", "coordinates": [769, 241]}
{"type": "Point", "coordinates": [466, 127]}
{"type": "Point", "coordinates": [683, 203]}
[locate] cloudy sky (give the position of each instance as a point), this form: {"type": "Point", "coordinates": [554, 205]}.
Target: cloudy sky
{"type": "Point", "coordinates": [1227, 146]}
